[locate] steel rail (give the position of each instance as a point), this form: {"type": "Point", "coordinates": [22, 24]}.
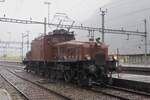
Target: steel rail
{"type": "Point", "coordinates": [48, 90]}
{"type": "Point", "coordinates": [26, 97]}
{"type": "Point", "coordinates": [80, 27]}
{"type": "Point", "coordinates": [129, 90]}
{"type": "Point", "coordinates": [109, 94]}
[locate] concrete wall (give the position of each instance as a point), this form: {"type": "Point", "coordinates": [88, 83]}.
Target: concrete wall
{"type": "Point", "coordinates": [134, 59]}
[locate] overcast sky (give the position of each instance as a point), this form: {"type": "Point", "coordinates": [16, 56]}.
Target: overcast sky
{"type": "Point", "coordinates": [130, 15]}
{"type": "Point", "coordinates": [76, 9]}
{"type": "Point", "coordinates": [82, 11]}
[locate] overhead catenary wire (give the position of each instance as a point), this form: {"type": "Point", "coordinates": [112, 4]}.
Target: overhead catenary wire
{"type": "Point", "coordinates": [113, 31]}
{"type": "Point", "coordinates": [128, 14]}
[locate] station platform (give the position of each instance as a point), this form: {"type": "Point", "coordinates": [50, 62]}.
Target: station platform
{"type": "Point", "coordinates": [135, 65]}
{"type": "Point", "coordinates": [136, 69]}
{"type": "Point", "coordinates": [132, 81]}
{"type": "Point", "coordinates": [133, 77]}
{"type": "Point", "coordinates": [4, 95]}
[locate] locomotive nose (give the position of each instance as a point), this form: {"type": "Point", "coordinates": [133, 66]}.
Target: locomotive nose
{"type": "Point", "coordinates": [92, 68]}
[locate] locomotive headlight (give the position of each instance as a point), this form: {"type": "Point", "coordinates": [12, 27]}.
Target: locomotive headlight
{"type": "Point", "coordinates": [87, 57]}
{"type": "Point", "coordinates": [92, 68]}
{"type": "Point", "coordinates": [115, 57]}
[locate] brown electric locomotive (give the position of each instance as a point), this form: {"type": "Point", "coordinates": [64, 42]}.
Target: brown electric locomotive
{"type": "Point", "coordinates": [59, 56]}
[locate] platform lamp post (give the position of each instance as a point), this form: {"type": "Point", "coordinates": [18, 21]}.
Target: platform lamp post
{"type": "Point", "coordinates": [22, 48]}
{"type": "Point", "coordinates": [48, 4]}
{"type": "Point", "coordinates": [145, 26]}
{"type": "Point", "coordinates": [2, 1]}
{"type": "Point", "coordinates": [23, 36]}
{"type": "Point", "coordinates": [103, 13]}
{"type": "Point", "coordinates": [8, 44]}
{"type": "Point", "coordinates": [28, 43]}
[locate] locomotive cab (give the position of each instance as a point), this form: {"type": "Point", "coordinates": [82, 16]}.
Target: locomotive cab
{"type": "Point", "coordinates": [100, 59]}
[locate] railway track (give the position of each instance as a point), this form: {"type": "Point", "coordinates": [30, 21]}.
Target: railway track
{"type": "Point", "coordinates": [78, 95]}
{"type": "Point", "coordinates": [31, 90]}
{"type": "Point", "coordinates": [136, 70]}
{"type": "Point", "coordinates": [115, 92]}
{"type": "Point", "coordinates": [75, 96]}
{"type": "Point", "coordinates": [121, 93]}
{"type": "Point", "coordinates": [129, 90]}
{"type": "Point", "coordinates": [26, 98]}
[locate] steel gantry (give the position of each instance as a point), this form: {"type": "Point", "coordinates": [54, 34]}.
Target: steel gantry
{"type": "Point", "coordinates": [13, 45]}
{"type": "Point", "coordinates": [81, 27]}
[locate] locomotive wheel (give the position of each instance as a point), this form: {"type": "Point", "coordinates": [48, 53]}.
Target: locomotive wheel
{"type": "Point", "coordinates": [27, 68]}
{"type": "Point", "coordinates": [67, 76]}
{"type": "Point", "coordinates": [90, 80]}
{"type": "Point", "coordinates": [82, 79]}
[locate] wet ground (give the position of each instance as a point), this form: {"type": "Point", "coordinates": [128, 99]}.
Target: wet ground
{"type": "Point", "coordinates": [4, 95]}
